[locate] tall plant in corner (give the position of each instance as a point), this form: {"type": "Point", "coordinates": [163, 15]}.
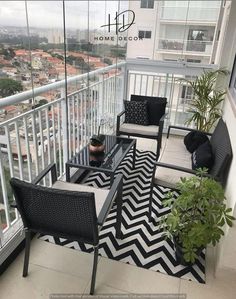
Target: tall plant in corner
{"type": "Point", "coordinates": [205, 106]}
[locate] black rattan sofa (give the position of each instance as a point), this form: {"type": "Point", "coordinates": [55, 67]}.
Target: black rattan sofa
{"type": "Point", "coordinates": [167, 172]}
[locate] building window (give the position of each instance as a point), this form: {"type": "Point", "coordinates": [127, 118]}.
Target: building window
{"type": "Point", "coordinates": [144, 34]}
{"type": "Point", "coordinates": [194, 60]}
{"type": "Point", "coordinates": [187, 92]}
{"type": "Point", "coordinates": [147, 4]}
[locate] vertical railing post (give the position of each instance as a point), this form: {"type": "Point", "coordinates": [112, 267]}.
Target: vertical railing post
{"type": "Point", "coordinates": [101, 99]}
{"type": "Point", "coordinates": [166, 85]}
{"type": "Point", "coordinates": [1, 233]}
{"type": "Point", "coordinates": [64, 126]}
{"type": "Point", "coordinates": [4, 191]}
{"type": "Point", "coordinates": [124, 85]}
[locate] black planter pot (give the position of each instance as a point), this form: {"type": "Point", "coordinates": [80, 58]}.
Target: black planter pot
{"type": "Point", "coordinates": [179, 255]}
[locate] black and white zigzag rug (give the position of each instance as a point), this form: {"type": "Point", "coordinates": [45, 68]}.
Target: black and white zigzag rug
{"type": "Point", "coordinates": [143, 244]}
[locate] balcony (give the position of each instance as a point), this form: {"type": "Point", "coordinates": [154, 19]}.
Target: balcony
{"type": "Point", "coordinates": [207, 15]}
{"type": "Point", "coordinates": [35, 138]}
{"type": "Point", "coordinates": [187, 47]}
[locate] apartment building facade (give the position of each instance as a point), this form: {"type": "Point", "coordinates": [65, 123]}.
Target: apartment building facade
{"type": "Point", "coordinates": [176, 30]}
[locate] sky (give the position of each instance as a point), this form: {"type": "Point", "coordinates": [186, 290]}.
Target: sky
{"type": "Point", "coordinates": [48, 14]}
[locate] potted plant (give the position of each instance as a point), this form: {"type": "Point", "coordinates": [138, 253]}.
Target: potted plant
{"type": "Point", "coordinates": [197, 216]}
{"type": "Point", "coordinates": [96, 141]}
{"type": "Point", "coordinates": [207, 95]}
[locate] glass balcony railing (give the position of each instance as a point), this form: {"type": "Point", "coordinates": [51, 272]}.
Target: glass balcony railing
{"type": "Point", "coordinates": [185, 45]}
{"type": "Point", "coordinates": [190, 14]}
{"type": "Point", "coordinates": [31, 140]}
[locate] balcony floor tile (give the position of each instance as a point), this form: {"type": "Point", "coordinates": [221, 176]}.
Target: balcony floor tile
{"type": "Point", "coordinates": [62, 259]}
{"type": "Point", "coordinates": [133, 279]}
{"type": "Point", "coordinates": [40, 283]}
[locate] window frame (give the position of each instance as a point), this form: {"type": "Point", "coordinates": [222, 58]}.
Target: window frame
{"type": "Point", "coordinates": [232, 82]}
{"type": "Point", "coordinates": [146, 4]}
{"type": "Point", "coordinates": [145, 33]}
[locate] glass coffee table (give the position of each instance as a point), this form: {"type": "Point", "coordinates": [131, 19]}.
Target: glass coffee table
{"type": "Point", "coordinates": [116, 148]}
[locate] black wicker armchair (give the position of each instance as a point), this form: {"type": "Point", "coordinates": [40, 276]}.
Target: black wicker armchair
{"type": "Point", "coordinates": [151, 126]}
{"type": "Point", "coordinates": [61, 212]}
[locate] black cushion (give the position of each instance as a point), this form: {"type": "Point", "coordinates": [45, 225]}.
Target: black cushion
{"type": "Point", "coordinates": [156, 107]}
{"type": "Point", "coordinates": [203, 156]}
{"type": "Point", "coordinates": [194, 139]}
{"type": "Point", "coordinates": [136, 113]}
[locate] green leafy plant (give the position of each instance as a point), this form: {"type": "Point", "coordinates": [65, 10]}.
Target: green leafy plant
{"type": "Point", "coordinates": [9, 87]}
{"type": "Point", "coordinates": [197, 214]}
{"type": "Point", "coordinates": [207, 95]}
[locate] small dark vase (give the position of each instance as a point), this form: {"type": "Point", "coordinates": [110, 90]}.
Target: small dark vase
{"type": "Point", "coordinates": [179, 255]}
{"type": "Point", "coordinates": [96, 148]}
{"type": "Point", "coordinates": [96, 144]}
{"type": "Point", "coordinates": [96, 158]}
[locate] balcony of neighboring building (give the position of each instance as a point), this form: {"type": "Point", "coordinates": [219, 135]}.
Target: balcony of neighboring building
{"type": "Point", "coordinates": [187, 40]}
{"type": "Point", "coordinates": [191, 12]}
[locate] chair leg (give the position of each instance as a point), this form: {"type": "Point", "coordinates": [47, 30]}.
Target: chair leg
{"type": "Point", "coordinates": [27, 252]}
{"type": "Point", "coordinates": [158, 150]}
{"type": "Point", "coordinates": [150, 199]}
{"type": "Point", "coordinates": [95, 263]}
{"type": "Point", "coordinates": [150, 209]}
{"type": "Point", "coordinates": [119, 217]}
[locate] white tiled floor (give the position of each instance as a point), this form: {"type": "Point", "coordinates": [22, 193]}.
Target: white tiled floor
{"type": "Point", "coordinates": [56, 269]}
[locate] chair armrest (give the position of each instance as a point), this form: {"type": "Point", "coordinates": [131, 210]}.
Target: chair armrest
{"type": "Point", "coordinates": [118, 121]}
{"type": "Point", "coordinates": [13, 205]}
{"type": "Point", "coordinates": [184, 129]}
{"type": "Point", "coordinates": [161, 125]}
{"type": "Point", "coordinates": [179, 168]}
{"type": "Point", "coordinates": [121, 113]}
{"type": "Point", "coordinates": [175, 167]}
{"type": "Point", "coordinates": [116, 190]}
{"type": "Point", "coordinates": [51, 167]}
{"type": "Point", "coordinates": [163, 117]}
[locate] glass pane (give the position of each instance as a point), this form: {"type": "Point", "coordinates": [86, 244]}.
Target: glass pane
{"type": "Point", "coordinates": [47, 50]}
{"type": "Point", "coordinates": [14, 62]}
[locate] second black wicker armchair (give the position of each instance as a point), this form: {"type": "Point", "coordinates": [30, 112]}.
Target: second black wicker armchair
{"type": "Point", "coordinates": [144, 117]}
{"type": "Point", "coordinates": [66, 210]}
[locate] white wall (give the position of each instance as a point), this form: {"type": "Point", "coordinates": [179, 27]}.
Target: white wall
{"type": "Point", "coordinates": [229, 116]}
{"type": "Point", "coordinates": [227, 248]}
{"type": "Point", "coordinates": [226, 251]}
{"type": "Point", "coordinates": [145, 19]}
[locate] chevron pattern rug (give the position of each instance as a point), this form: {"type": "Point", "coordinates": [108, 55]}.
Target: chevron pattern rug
{"type": "Point", "coordinates": [143, 244]}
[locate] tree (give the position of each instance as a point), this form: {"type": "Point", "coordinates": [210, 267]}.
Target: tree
{"type": "Point", "coordinates": [9, 87]}
{"type": "Point", "coordinates": [107, 61]}
{"type": "Point", "coordinates": [40, 103]}
{"type": "Point", "coordinates": [8, 53]}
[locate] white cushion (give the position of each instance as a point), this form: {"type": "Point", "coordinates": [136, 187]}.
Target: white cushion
{"type": "Point", "coordinates": [138, 129]}
{"type": "Point", "coordinates": [100, 194]}
{"type": "Point", "coordinates": [174, 153]}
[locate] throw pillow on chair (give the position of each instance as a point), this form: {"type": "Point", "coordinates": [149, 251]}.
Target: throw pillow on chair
{"type": "Point", "coordinates": [136, 113]}
{"type": "Point", "coordinates": [194, 139]}
{"type": "Point", "coordinates": [203, 156]}
{"type": "Point", "coordinates": [156, 107]}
